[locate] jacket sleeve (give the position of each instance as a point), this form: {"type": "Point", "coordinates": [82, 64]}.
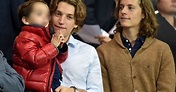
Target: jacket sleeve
{"type": "Point", "coordinates": [105, 75]}
{"type": "Point", "coordinates": [10, 80]}
{"type": "Point", "coordinates": [32, 53]}
{"type": "Point", "coordinates": [166, 78]}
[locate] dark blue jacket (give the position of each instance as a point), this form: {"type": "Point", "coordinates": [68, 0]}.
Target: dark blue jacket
{"type": "Point", "coordinates": [167, 33]}
{"type": "Point", "coordinates": [10, 80]}
{"type": "Point", "coordinates": [100, 12]}
{"type": "Point", "coordinates": [9, 26]}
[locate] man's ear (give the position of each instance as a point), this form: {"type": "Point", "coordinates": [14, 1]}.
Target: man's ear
{"type": "Point", "coordinates": [24, 20]}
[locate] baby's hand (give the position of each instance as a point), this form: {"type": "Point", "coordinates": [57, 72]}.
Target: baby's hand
{"type": "Point", "coordinates": [57, 39]}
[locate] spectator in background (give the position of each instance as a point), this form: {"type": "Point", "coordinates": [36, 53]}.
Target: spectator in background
{"type": "Point", "coordinates": [48, 2]}
{"type": "Point", "coordinates": [134, 60]}
{"type": "Point", "coordinates": [99, 16]}
{"type": "Point", "coordinates": [9, 26]}
{"type": "Point", "coordinates": [10, 80]}
{"type": "Point", "coordinates": [167, 22]}
{"type": "Point", "coordinates": [167, 9]}
{"type": "Point", "coordinates": [81, 70]}
{"type": "Point", "coordinates": [37, 54]}
{"type": "Point", "coordinates": [154, 2]}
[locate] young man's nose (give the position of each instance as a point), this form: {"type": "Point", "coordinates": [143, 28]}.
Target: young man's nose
{"type": "Point", "coordinates": [61, 19]}
{"type": "Point", "coordinates": [124, 10]}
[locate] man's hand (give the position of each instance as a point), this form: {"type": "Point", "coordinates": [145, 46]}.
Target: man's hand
{"type": "Point", "coordinates": [103, 39]}
{"type": "Point", "coordinates": [64, 89]}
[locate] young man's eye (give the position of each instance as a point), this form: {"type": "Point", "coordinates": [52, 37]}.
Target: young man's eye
{"type": "Point", "coordinates": [57, 13]}
{"type": "Point", "coordinates": [130, 8]}
{"type": "Point", "coordinates": [70, 17]}
{"type": "Point", "coordinates": [120, 7]}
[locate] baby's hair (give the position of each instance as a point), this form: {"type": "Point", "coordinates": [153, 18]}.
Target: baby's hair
{"type": "Point", "coordinates": [24, 10]}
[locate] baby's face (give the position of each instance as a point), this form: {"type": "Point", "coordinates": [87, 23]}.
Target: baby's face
{"type": "Point", "coordinates": [40, 14]}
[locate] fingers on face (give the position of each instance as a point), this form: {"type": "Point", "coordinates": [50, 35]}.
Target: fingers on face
{"type": "Point", "coordinates": [58, 37]}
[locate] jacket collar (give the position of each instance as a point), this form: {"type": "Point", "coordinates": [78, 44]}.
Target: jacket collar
{"type": "Point", "coordinates": [33, 29]}
{"type": "Point", "coordinates": [39, 30]}
{"type": "Point", "coordinates": [118, 40]}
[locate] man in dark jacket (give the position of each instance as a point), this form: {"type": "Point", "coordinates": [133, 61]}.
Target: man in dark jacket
{"type": "Point", "coordinates": [9, 27]}
{"type": "Point", "coordinates": [10, 80]}
{"type": "Point", "coordinates": [166, 31]}
{"type": "Point", "coordinates": [99, 16]}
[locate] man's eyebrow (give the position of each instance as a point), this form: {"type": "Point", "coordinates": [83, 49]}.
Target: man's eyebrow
{"type": "Point", "coordinates": [130, 5]}
{"type": "Point", "coordinates": [127, 5]}
{"type": "Point", "coordinates": [70, 14]}
{"type": "Point", "coordinates": [57, 11]}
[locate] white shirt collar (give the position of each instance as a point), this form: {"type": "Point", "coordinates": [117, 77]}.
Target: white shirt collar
{"type": "Point", "coordinates": [72, 41]}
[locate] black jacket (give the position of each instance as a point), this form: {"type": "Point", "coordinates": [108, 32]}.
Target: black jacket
{"type": "Point", "coordinates": [10, 80]}
{"type": "Point", "coordinates": [100, 12]}
{"type": "Point", "coordinates": [167, 33]}
{"type": "Point", "coordinates": [9, 26]}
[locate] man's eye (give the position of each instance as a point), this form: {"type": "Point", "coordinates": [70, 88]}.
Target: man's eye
{"type": "Point", "coordinates": [70, 17]}
{"type": "Point", "coordinates": [130, 8]}
{"type": "Point", "coordinates": [120, 7]}
{"type": "Point", "coordinates": [57, 13]}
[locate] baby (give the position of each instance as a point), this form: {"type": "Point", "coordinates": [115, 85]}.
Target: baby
{"type": "Point", "coordinates": [37, 54]}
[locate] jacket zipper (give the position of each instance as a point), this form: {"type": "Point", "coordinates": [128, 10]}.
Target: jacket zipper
{"type": "Point", "coordinates": [51, 74]}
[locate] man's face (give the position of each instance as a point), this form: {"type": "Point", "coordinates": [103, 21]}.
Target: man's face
{"type": "Point", "coordinates": [167, 6]}
{"type": "Point", "coordinates": [63, 19]}
{"type": "Point", "coordinates": [130, 13]}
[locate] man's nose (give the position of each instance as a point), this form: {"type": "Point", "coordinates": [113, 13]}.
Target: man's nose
{"type": "Point", "coordinates": [124, 10]}
{"type": "Point", "coordinates": [61, 19]}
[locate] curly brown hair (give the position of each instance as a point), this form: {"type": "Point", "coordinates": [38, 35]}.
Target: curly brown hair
{"type": "Point", "coordinates": [149, 24]}
{"type": "Point", "coordinates": [80, 11]}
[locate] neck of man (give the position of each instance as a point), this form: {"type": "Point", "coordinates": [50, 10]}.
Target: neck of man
{"type": "Point", "coordinates": [131, 34]}
{"type": "Point", "coordinates": [169, 18]}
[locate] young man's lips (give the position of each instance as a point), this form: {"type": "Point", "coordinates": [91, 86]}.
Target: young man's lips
{"type": "Point", "coordinates": [59, 27]}
{"type": "Point", "coordinates": [124, 18]}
